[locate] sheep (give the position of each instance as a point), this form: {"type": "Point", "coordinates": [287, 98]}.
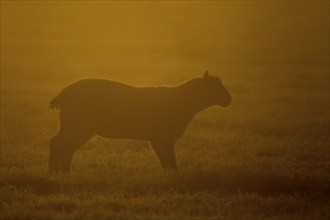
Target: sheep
{"type": "Point", "coordinates": [115, 110]}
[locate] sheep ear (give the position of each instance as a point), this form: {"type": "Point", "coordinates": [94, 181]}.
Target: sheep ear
{"type": "Point", "coordinates": [206, 73]}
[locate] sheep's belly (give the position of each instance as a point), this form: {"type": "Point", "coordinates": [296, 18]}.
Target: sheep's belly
{"type": "Point", "coordinates": [133, 122]}
{"type": "Point", "coordinates": [132, 129]}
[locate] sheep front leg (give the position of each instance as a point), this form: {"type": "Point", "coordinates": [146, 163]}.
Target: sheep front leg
{"type": "Point", "coordinates": [165, 151]}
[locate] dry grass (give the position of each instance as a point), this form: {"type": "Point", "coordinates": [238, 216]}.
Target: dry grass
{"type": "Point", "coordinates": [265, 157]}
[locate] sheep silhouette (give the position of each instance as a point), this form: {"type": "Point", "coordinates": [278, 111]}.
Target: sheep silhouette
{"type": "Point", "coordinates": [115, 110]}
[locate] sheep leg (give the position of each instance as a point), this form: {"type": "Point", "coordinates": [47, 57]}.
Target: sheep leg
{"type": "Point", "coordinates": [55, 153]}
{"type": "Point", "coordinates": [62, 148]}
{"type": "Point", "coordinates": [165, 152]}
{"type": "Point", "coordinates": [66, 159]}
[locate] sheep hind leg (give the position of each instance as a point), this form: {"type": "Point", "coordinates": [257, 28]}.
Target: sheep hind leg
{"type": "Point", "coordinates": [55, 154]}
{"type": "Point", "coordinates": [62, 148]}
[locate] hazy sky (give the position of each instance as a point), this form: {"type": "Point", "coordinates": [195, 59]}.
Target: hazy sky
{"type": "Point", "coordinates": [86, 33]}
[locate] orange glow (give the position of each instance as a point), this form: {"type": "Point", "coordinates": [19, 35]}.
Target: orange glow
{"type": "Point", "coordinates": [264, 156]}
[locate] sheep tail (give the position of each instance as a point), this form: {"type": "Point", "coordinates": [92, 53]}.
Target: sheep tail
{"type": "Point", "coordinates": [54, 103]}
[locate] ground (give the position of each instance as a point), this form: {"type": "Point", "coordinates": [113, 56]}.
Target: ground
{"type": "Point", "coordinates": [264, 157]}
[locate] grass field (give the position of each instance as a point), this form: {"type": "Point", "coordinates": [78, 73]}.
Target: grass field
{"type": "Point", "coordinates": [264, 157]}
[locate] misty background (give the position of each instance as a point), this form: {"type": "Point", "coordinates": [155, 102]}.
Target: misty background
{"type": "Point", "coordinates": [159, 42]}
{"type": "Point", "coordinates": [264, 156]}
